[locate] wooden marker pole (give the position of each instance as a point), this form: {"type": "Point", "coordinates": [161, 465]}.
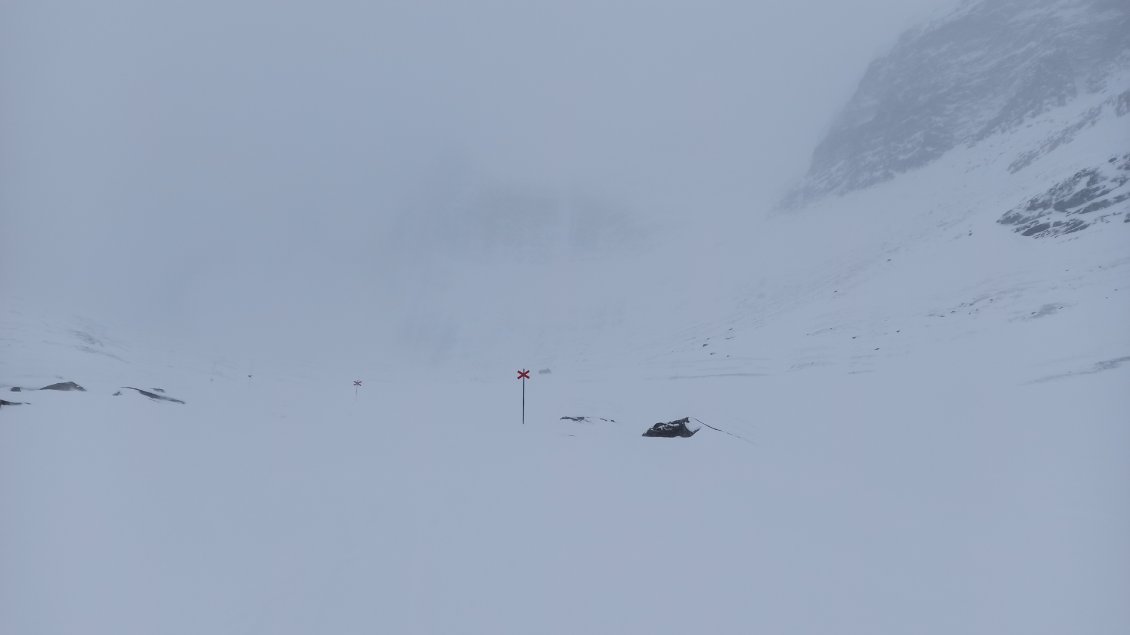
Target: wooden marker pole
{"type": "Point", "coordinates": [523, 375]}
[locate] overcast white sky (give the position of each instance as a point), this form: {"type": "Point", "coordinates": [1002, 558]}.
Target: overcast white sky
{"type": "Point", "coordinates": [204, 162]}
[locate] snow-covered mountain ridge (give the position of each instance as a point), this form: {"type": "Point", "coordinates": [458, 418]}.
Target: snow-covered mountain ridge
{"type": "Point", "coordinates": [990, 68]}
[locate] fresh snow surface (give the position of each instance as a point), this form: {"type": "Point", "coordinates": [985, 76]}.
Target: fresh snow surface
{"type": "Point", "coordinates": [936, 409]}
{"type": "Point", "coordinates": [937, 413]}
{"type": "Point", "coordinates": [946, 491]}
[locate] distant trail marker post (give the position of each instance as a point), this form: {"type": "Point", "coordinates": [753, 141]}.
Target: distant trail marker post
{"type": "Point", "coordinates": [523, 375]}
{"type": "Point", "coordinates": [356, 386]}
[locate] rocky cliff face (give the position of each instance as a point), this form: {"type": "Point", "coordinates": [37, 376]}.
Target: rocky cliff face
{"type": "Point", "coordinates": [986, 69]}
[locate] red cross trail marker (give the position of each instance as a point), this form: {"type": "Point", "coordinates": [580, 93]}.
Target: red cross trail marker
{"type": "Point", "coordinates": [523, 375]}
{"type": "Point", "coordinates": [356, 385]}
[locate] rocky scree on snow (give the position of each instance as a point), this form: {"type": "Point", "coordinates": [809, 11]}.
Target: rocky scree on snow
{"type": "Point", "coordinates": [1094, 195]}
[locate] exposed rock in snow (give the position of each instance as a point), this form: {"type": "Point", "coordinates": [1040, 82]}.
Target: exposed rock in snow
{"type": "Point", "coordinates": [587, 419]}
{"type": "Point", "coordinates": [151, 395]}
{"type": "Point", "coordinates": [677, 428]}
{"type": "Point", "coordinates": [65, 385]}
{"type": "Point", "coordinates": [1098, 194]}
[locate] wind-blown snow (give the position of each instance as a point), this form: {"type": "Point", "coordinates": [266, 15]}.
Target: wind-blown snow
{"type": "Point", "coordinates": [936, 407]}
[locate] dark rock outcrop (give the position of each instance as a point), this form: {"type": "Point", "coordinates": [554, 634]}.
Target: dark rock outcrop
{"type": "Point", "coordinates": [4, 402]}
{"type": "Point", "coordinates": [1098, 194]}
{"type": "Point", "coordinates": [587, 419]}
{"type": "Point", "coordinates": [677, 428]}
{"type": "Point", "coordinates": [65, 386]}
{"type": "Point", "coordinates": [151, 395]}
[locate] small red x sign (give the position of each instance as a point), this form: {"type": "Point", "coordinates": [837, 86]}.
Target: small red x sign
{"type": "Point", "coordinates": [356, 382]}
{"type": "Point", "coordinates": [523, 374]}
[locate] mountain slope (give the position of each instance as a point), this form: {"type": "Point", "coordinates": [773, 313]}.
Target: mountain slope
{"type": "Point", "coordinates": [989, 68]}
